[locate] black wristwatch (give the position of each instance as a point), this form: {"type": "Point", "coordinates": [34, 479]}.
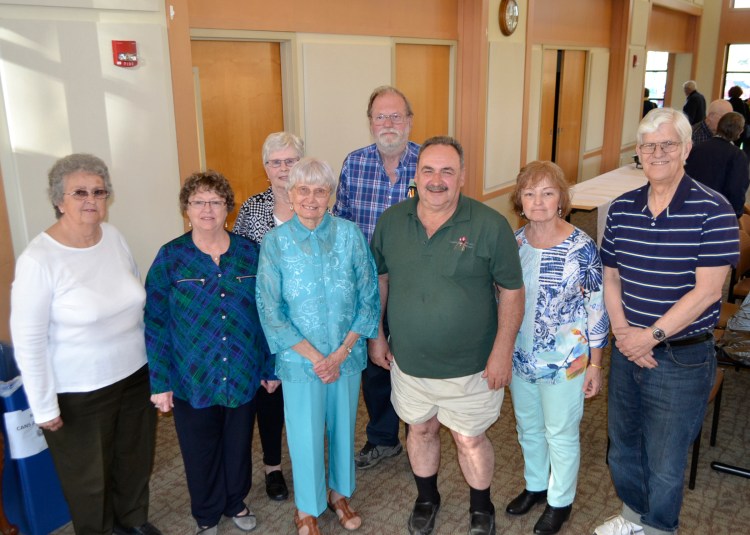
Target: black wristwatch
{"type": "Point", "coordinates": [658, 334]}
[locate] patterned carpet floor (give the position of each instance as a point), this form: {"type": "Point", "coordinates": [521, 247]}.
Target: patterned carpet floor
{"type": "Point", "coordinates": [718, 506]}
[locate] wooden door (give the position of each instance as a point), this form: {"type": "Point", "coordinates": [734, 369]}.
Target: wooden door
{"type": "Point", "coordinates": [548, 116]}
{"type": "Point", "coordinates": [563, 85]}
{"type": "Point", "coordinates": [423, 75]}
{"type": "Point", "coordinates": [241, 103]}
{"type": "Point", "coordinates": [569, 115]}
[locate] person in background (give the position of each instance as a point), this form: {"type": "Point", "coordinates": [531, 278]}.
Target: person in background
{"type": "Point", "coordinates": [77, 325]}
{"type": "Point", "coordinates": [695, 103]}
{"type": "Point", "coordinates": [720, 165]}
{"type": "Point", "coordinates": [706, 129]}
{"type": "Point", "coordinates": [259, 214]}
{"type": "Point", "coordinates": [557, 361]}
{"type": "Point", "coordinates": [740, 106]}
{"type": "Point", "coordinates": [318, 300]}
{"type": "Point", "coordinates": [206, 351]}
{"type": "Point", "coordinates": [372, 179]}
{"type": "Point", "coordinates": [648, 105]}
{"type": "Point", "coordinates": [442, 260]}
{"type": "Point", "coordinates": [667, 249]}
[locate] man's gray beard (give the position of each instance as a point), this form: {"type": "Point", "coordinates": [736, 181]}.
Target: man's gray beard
{"type": "Point", "coordinates": [391, 149]}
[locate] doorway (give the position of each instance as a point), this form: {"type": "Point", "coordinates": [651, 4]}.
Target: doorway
{"type": "Point", "coordinates": [563, 84]}
{"type": "Point", "coordinates": [239, 93]}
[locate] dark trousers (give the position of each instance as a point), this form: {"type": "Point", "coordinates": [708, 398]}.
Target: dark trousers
{"type": "Point", "coordinates": [215, 444]}
{"type": "Point", "coordinates": [382, 429]}
{"type": "Point", "coordinates": [104, 454]}
{"type": "Point", "coordinates": [270, 412]}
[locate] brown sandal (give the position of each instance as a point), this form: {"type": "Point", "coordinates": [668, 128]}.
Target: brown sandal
{"type": "Point", "coordinates": [349, 519]}
{"type": "Point", "coordinates": [309, 522]}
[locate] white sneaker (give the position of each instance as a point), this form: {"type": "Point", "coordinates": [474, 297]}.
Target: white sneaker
{"type": "Point", "coordinates": [617, 525]}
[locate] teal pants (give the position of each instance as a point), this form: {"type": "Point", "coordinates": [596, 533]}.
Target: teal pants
{"type": "Point", "coordinates": [547, 420]}
{"type": "Point", "coordinates": [313, 412]}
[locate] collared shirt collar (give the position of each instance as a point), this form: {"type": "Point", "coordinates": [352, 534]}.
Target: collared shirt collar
{"type": "Point", "coordinates": [462, 212]}
{"type": "Point", "coordinates": [301, 232]}
{"type": "Point", "coordinates": [678, 199]}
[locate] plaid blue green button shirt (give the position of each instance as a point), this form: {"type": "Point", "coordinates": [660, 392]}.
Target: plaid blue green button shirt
{"type": "Point", "coordinates": [203, 336]}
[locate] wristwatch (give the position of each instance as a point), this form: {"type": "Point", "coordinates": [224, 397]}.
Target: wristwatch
{"type": "Point", "coordinates": [659, 335]}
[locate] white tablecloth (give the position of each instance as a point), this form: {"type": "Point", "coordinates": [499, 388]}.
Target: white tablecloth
{"type": "Point", "coordinates": [599, 192]}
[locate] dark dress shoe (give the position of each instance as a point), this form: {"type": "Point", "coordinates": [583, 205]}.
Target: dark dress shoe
{"type": "Point", "coordinates": [522, 504]}
{"type": "Point", "coordinates": [422, 518]}
{"type": "Point", "coordinates": [482, 523]}
{"type": "Point", "coordinates": [146, 529]}
{"type": "Point", "coordinates": [276, 486]}
{"type": "Point", "coordinates": [552, 520]}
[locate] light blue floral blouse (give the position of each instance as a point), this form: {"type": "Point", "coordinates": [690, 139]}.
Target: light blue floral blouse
{"type": "Point", "coordinates": [565, 312]}
{"type": "Point", "coordinates": [316, 285]}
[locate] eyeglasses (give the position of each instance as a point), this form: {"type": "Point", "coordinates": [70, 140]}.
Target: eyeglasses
{"type": "Point", "coordinates": [666, 146]}
{"type": "Point", "coordinates": [318, 193]}
{"type": "Point", "coordinates": [396, 118]}
{"type": "Point", "coordinates": [202, 204]}
{"type": "Point", "coordinates": [82, 194]}
{"type": "Point", "coordinates": [277, 163]}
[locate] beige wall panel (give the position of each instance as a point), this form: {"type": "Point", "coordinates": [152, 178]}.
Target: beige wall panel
{"type": "Point", "coordinates": [633, 95]}
{"type": "Point", "coordinates": [66, 95]}
{"type": "Point", "coordinates": [710, 50]}
{"type": "Point", "coordinates": [504, 113]}
{"type": "Point", "coordinates": [596, 99]}
{"type": "Point", "coordinates": [683, 64]}
{"type": "Point", "coordinates": [338, 75]}
{"type": "Point", "coordinates": [535, 103]}
{"type": "Point", "coordinates": [590, 167]}
{"type": "Point", "coordinates": [639, 28]}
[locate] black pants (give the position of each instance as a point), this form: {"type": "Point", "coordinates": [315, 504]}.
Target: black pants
{"type": "Point", "coordinates": [104, 454]}
{"type": "Point", "coordinates": [215, 444]}
{"type": "Point", "coordinates": [270, 411]}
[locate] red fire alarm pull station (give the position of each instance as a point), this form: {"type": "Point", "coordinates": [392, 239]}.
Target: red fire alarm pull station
{"type": "Point", "coordinates": [124, 53]}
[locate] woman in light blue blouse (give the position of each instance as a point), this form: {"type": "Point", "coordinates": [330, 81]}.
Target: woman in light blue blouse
{"type": "Point", "coordinates": [557, 361]}
{"type": "Point", "coordinates": [318, 299]}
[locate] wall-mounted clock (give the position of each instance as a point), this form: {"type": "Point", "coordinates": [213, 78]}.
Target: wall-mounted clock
{"type": "Point", "coordinates": [508, 16]}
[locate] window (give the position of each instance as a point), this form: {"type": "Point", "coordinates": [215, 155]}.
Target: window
{"type": "Point", "coordinates": [741, 4]}
{"type": "Point", "coordinates": [656, 76]}
{"type": "Point", "coordinates": [737, 71]}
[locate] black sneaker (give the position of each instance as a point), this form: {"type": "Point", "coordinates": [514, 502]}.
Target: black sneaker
{"type": "Point", "coordinates": [371, 454]}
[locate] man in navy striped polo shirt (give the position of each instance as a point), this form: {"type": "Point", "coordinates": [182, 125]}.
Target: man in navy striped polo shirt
{"type": "Point", "coordinates": [667, 249]}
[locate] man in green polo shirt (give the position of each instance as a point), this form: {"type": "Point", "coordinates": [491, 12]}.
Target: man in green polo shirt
{"type": "Point", "coordinates": [442, 259]}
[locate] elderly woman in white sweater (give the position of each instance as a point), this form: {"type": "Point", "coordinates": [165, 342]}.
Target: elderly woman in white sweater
{"type": "Point", "coordinates": [77, 325]}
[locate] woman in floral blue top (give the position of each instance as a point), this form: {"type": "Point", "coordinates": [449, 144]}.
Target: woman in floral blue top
{"type": "Point", "coordinates": [557, 361]}
{"type": "Point", "coordinates": [318, 300]}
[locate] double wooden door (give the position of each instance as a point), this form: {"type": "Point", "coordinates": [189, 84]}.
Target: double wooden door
{"type": "Point", "coordinates": [563, 84]}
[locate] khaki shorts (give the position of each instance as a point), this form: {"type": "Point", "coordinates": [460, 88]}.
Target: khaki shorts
{"type": "Point", "coordinates": [465, 405]}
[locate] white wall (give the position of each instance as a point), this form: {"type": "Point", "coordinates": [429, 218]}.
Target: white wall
{"type": "Point", "coordinates": [505, 88]}
{"type": "Point", "coordinates": [338, 74]}
{"type": "Point", "coordinates": [61, 93]}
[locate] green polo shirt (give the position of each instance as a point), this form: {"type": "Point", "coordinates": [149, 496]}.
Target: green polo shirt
{"type": "Point", "coordinates": [442, 311]}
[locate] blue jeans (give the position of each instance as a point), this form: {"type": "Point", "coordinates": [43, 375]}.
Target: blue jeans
{"type": "Point", "coordinates": [654, 417]}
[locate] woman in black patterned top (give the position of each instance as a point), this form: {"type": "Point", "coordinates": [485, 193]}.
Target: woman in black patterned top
{"type": "Point", "coordinates": [259, 214]}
